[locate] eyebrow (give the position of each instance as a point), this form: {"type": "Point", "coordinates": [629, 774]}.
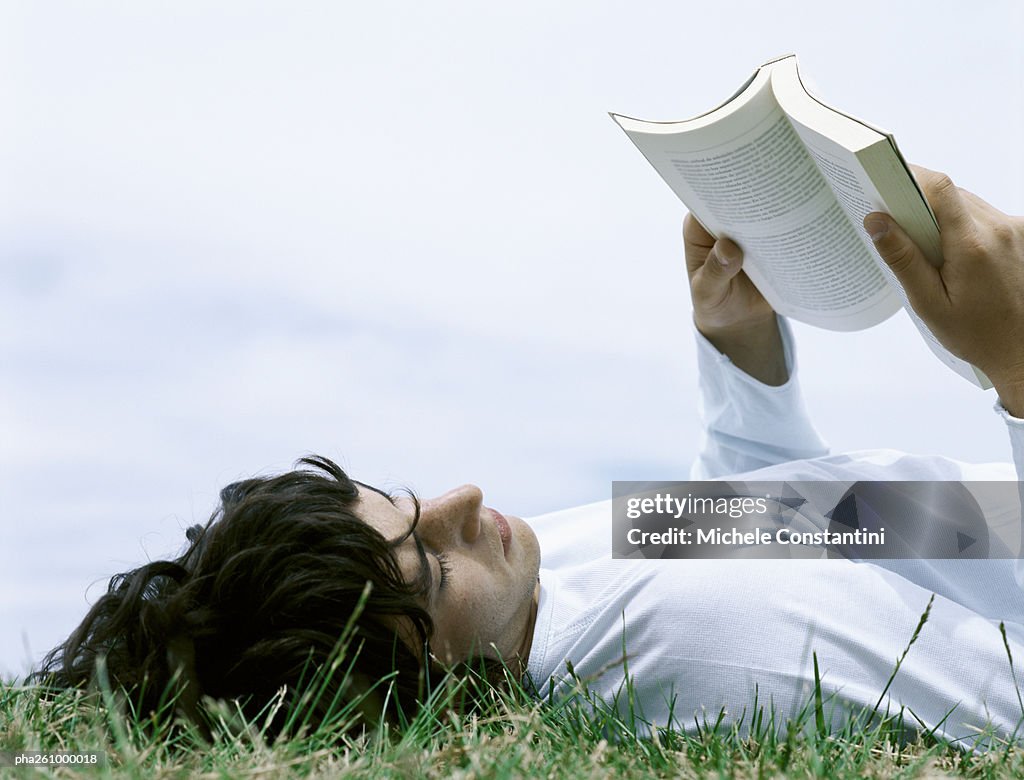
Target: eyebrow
{"type": "Point", "coordinates": [425, 580]}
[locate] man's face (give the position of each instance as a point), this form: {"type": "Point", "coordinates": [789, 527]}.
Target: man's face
{"type": "Point", "coordinates": [481, 568]}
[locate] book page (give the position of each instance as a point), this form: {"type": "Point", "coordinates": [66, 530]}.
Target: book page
{"type": "Point", "coordinates": [747, 176]}
{"type": "Point", "coordinates": [848, 176]}
{"type": "Point", "coordinates": [861, 161]}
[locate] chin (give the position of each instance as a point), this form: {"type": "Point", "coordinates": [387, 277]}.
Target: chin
{"type": "Point", "coordinates": [526, 540]}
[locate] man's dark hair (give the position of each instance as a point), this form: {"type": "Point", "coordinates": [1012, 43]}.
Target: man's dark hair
{"type": "Point", "coordinates": [257, 605]}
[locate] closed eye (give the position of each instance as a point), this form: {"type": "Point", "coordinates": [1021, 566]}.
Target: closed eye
{"type": "Point", "coordinates": [445, 566]}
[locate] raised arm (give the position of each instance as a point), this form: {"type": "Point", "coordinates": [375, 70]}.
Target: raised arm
{"type": "Point", "coordinates": [974, 303]}
{"type": "Point", "coordinates": [751, 406]}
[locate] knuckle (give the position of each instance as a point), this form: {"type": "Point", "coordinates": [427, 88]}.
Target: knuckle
{"type": "Point", "coordinates": [939, 184]}
{"type": "Point", "coordinates": [712, 270]}
{"type": "Point", "coordinates": [1004, 234]}
{"type": "Point", "coordinates": [944, 184]}
{"type": "Point", "coordinates": [899, 257]}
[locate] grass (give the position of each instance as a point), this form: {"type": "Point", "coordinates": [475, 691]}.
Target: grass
{"type": "Point", "coordinates": [509, 734]}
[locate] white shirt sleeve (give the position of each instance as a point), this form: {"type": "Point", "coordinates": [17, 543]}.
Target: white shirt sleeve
{"type": "Point", "coordinates": [747, 424]}
{"type": "Point", "coordinates": [1015, 427]}
{"type": "Point", "coordinates": [706, 636]}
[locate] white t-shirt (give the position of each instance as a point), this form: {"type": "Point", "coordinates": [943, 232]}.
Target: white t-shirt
{"type": "Point", "coordinates": [702, 636]}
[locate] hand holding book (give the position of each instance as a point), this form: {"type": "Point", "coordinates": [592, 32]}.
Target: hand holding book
{"type": "Point", "coordinates": [790, 180]}
{"type": "Point", "coordinates": [728, 309]}
{"type": "Point", "coordinates": [974, 302]}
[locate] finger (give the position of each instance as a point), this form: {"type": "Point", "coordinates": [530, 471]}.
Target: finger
{"type": "Point", "coordinates": [724, 261]}
{"type": "Point", "coordinates": [919, 278]}
{"type": "Point", "coordinates": [694, 232]}
{"type": "Point", "coordinates": [696, 243]}
{"type": "Point", "coordinates": [945, 198]}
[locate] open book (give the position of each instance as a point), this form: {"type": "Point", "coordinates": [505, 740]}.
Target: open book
{"type": "Point", "coordinates": [790, 180]}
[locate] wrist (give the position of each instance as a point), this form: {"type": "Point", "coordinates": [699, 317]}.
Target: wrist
{"type": "Point", "coordinates": [753, 347]}
{"type": "Point", "coordinates": [1010, 388]}
{"type": "Point", "coordinates": [1012, 399]}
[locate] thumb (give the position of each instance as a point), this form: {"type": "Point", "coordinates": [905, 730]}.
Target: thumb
{"type": "Point", "coordinates": [723, 262]}
{"type": "Point", "coordinates": [918, 277]}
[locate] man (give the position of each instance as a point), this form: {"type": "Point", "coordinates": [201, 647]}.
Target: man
{"type": "Point", "coordinates": [295, 569]}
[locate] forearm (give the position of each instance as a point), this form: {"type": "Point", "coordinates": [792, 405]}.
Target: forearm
{"type": "Point", "coordinates": [749, 424]}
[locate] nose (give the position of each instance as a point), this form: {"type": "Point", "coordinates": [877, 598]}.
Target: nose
{"type": "Point", "coordinates": [452, 516]}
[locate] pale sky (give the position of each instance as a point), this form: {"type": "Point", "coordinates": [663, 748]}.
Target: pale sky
{"type": "Point", "coordinates": [408, 236]}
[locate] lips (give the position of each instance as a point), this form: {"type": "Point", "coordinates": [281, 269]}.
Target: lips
{"type": "Point", "coordinates": [504, 530]}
